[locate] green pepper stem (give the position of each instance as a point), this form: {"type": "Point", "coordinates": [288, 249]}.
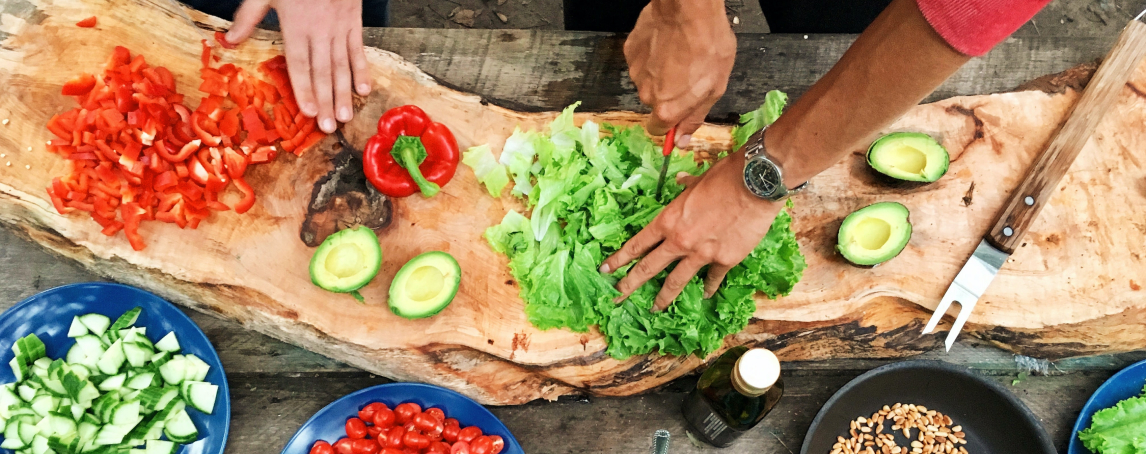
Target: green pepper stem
{"type": "Point", "coordinates": [408, 156]}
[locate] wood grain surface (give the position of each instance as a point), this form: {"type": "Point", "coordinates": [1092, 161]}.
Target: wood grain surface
{"type": "Point", "coordinates": [252, 268]}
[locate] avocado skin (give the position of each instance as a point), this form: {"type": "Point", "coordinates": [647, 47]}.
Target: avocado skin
{"type": "Point", "coordinates": [846, 225]}
{"type": "Point", "coordinates": [365, 238]}
{"type": "Point", "coordinates": [437, 259]}
{"type": "Point", "coordinates": [893, 181]}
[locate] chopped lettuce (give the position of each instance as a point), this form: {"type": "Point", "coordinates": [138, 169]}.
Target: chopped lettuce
{"type": "Point", "coordinates": [768, 112]}
{"type": "Point", "coordinates": [587, 195]}
{"type": "Point", "coordinates": [1120, 429]}
{"type": "Point", "coordinates": [487, 169]}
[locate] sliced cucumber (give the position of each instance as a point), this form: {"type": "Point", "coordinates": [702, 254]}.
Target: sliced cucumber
{"type": "Point", "coordinates": [12, 436]}
{"type": "Point", "coordinates": [44, 404]}
{"type": "Point", "coordinates": [91, 344]}
{"type": "Point", "coordinates": [112, 359]}
{"type": "Point", "coordinates": [39, 445]}
{"type": "Point", "coordinates": [96, 323]}
{"type": "Point", "coordinates": [161, 447]}
{"type": "Point", "coordinates": [197, 369]}
{"type": "Point", "coordinates": [137, 354]}
{"type": "Point", "coordinates": [26, 394]}
{"type": "Point", "coordinates": [127, 319]}
{"type": "Point", "coordinates": [110, 434]}
{"type": "Point", "coordinates": [169, 343]}
{"type": "Point", "coordinates": [19, 368]}
{"type": "Point", "coordinates": [113, 382]}
{"type": "Point", "coordinates": [180, 429]}
{"type": "Point", "coordinates": [30, 347]}
{"type": "Point", "coordinates": [77, 329]}
{"type": "Point", "coordinates": [60, 425]}
{"type": "Point", "coordinates": [201, 396]}
{"type": "Point", "coordinates": [141, 381]}
{"type": "Point", "coordinates": [174, 371]}
{"type": "Point", "coordinates": [125, 413]}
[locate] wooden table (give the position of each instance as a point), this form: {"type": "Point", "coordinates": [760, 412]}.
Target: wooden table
{"type": "Point", "coordinates": [276, 386]}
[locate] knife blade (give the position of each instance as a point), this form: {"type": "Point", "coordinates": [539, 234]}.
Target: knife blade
{"type": "Point", "coordinates": [1025, 202]}
{"type": "Point", "coordinates": [669, 138]}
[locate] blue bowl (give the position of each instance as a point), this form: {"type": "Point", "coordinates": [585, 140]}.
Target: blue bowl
{"type": "Point", "coordinates": [49, 315]}
{"type": "Point", "coordinates": [330, 423]}
{"type": "Point", "coordinates": [1123, 385]}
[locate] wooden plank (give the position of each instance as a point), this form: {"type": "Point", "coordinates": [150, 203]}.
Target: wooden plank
{"type": "Point", "coordinates": [546, 70]}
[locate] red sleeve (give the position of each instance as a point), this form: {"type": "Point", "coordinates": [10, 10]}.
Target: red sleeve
{"type": "Point", "coordinates": [973, 27]}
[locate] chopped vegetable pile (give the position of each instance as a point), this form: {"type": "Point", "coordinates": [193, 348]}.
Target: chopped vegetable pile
{"type": "Point", "coordinates": [589, 194]}
{"type": "Point", "coordinates": [1120, 429]}
{"type": "Point", "coordinates": [115, 390]}
{"type": "Point", "coordinates": [136, 152]}
{"type": "Point", "coordinates": [408, 429]}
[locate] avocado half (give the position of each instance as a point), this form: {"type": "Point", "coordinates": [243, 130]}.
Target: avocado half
{"type": "Point", "coordinates": [347, 260]}
{"type": "Point", "coordinates": [874, 234]}
{"type": "Point", "coordinates": [909, 156]}
{"type": "Point", "coordinates": [425, 285]}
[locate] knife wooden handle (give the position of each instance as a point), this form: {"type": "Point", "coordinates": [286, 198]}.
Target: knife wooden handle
{"type": "Point", "coordinates": [1024, 204]}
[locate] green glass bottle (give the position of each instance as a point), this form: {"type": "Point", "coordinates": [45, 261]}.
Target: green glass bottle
{"type": "Point", "coordinates": [733, 395]}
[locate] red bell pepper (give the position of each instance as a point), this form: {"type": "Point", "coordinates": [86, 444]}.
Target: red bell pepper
{"type": "Point", "coordinates": [410, 153]}
{"type": "Point", "coordinates": [87, 23]}
{"type": "Point", "coordinates": [80, 85]}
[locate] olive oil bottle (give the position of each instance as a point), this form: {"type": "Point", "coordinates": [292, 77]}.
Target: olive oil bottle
{"type": "Point", "coordinates": [733, 395]}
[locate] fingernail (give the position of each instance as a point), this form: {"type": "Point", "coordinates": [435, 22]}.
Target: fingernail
{"type": "Point", "coordinates": [344, 114]}
{"type": "Point", "coordinates": [684, 140]}
{"type": "Point", "coordinates": [605, 269]}
{"type": "Point", "coordinates": [309, 110]}
{"type": "Point", "coordinates": [328, 125]}
{"type": "Point", "coordinates": [230, 36]}
{"type": "Point", "coordinates": [619, 299]}
{"type": "Point", "coordinates": [363, 89]}
{"type": "Point", "coordinates": [707, 295]}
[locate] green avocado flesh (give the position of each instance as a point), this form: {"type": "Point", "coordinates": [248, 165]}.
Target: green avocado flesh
{"type": "Point", "coordinates": [874, 234]}
{"type": "Point", "coordinates": [908, 156]}
{"type": "Point", "coordinates": [425, 285]}
{"type": "Point", "coordinates": [347, 260]}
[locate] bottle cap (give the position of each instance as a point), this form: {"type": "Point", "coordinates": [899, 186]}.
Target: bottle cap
{"type": "Point", "coordinates": [755, 372]}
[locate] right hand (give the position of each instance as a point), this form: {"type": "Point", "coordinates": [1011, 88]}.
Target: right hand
{"type": "Point", "coordinates": [680, 56]}
{"type": "Point", "coordinates": [322, 40]}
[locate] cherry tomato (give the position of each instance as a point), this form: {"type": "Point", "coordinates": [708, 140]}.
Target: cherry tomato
{"type": "Point", "coordinates": [390, 451]}
{"type": "Point", "coordinates": [405, 412]}
{"type": "Point", "coordinates": [364, 446]}
{"type": "Point", "coordinates": [498, 444]}
{"type": "Point", "coordinates": [411, 451]}
{"type": "Point", "coordinates": [374, 431]}
{"type": "Point", "coordinates": [438, 447]}
{"type": "Point", "coordinates": [451, 422]}
{"type": "Point", "coordinates": [344, 446]}
{"type": "Point", "coordinates": [415, 440]}
{"type": "Point", "coordinates": [322, 447]}
{"type": "Point", "coordinates": [394, 437]}
{"type": "Point", "coordinates": [460, 447]}
{"type": "Point", "coordinates": [410, 427]}
{"type": "Point", "coordinates": [428, 425]}
{"type": "Point", "coordinates": [481, 445]}
{"type": "Point", "coordinates": [469, 434]}
{"type": "Point", "coordinates": [450, 432]}
{"type": "Point", "coordinates": [367, 412]}
{"type": "Point", "coordinates": [355, 428]}
{"type": "Point", "coordinates": [437, 414]}
{"type": "Point", "coordinates": [383, 417]}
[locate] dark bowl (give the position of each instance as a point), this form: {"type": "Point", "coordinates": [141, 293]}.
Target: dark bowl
{"type": "Point", "coordinates": [993, 419]}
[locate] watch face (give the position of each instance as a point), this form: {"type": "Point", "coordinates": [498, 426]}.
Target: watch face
{"type": "Point", "coordinates": [763, 179]}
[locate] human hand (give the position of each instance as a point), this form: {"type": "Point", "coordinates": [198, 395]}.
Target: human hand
{"type": "Point", "coordinates": [680, 55]}
{"type": "Point", "coordinates": [322, 40]}
{"type": "Point", "coordinates": [716, 221]}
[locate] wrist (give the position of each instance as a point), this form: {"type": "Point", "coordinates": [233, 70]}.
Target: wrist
{"type": "Point", "coordinates": [689, 10]}
{"type": "Point", "coordinates": [781, 150]}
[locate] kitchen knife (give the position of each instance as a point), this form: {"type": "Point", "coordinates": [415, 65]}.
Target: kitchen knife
{"type": "Point", "coordinates": [1024, 204]}
{"type": "Point", "coordinates": [669, 138]}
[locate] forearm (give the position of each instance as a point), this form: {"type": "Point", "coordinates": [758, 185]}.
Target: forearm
{"type": "Point", "coordinates": [893, 65]}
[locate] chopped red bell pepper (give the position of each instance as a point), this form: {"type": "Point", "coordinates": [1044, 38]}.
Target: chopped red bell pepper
{"type": "Point", "coordinates": [79, 86]}
{"type": "Point", "coordinates": [222, 40]}
{"type": "Point", "coordinates": [87, 23]}
{"type": "Point", "coordinates": [410, 153]}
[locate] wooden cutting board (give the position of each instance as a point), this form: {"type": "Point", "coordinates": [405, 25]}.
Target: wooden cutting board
{"type": "Point", "coordinates": [1074, 288]}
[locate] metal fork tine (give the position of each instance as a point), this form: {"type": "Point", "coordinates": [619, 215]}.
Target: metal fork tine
{"type": "Point", "coordinates": [964, 314]}
{"type": "Point", "coordinates": [940, 310]}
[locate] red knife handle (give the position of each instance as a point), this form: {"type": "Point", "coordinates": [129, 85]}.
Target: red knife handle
{"type": "Point", "coordinates": [669, 138]}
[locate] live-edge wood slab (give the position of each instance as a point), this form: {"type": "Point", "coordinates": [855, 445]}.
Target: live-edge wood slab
{"type": "Point", "coordinates": [1078, 268]}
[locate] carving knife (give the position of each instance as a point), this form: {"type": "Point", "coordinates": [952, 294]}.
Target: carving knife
{"type": "Point", "coordinates": [669, 138]}
{"type": "Point", "coordinates": [1023, 206]}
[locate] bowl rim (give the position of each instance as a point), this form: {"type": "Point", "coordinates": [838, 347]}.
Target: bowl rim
{"type": "Point", "coordinates": [1074, 445]}
{"type": "Point", "coordinates": [1044, 440]}
{"type": "Point", "coordinates": [428, 386]}
{"type": "Point", "coordinates": [224, 386]}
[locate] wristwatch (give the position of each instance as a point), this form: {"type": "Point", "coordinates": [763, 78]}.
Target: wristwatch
{"type": "Point", "coordinates": [763, 176]}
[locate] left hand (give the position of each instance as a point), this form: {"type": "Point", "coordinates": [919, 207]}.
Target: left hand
{"type": "Point", "coordinates": [716, 221]}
